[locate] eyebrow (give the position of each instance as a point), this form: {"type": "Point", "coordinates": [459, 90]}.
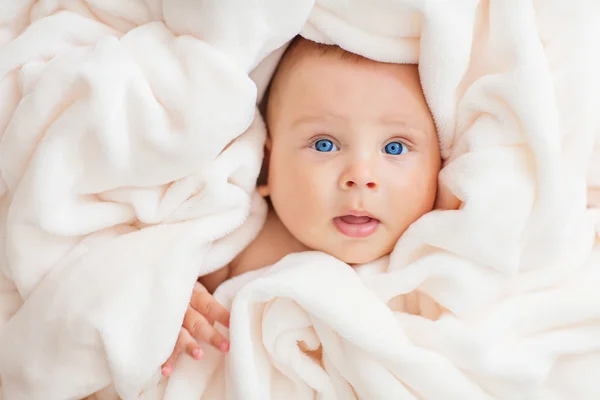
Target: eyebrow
{"type": "Point", "coordinates": [390, 121]}
{"type": "Point", "coordinates": [394, 121]}
{"type": "Point", "coordinates": [387, 120]}
{"type": "Point", "coordinates": [308, 119]}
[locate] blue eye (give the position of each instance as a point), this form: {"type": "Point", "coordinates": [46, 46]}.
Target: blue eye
{"type": "Point", "coordinates": [395, 148]}
{"type": "Point", "coordinates": [324, 145]}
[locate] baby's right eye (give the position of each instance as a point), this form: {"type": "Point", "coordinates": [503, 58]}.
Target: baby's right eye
{"type": "Point", "coordinates": [324, 145]}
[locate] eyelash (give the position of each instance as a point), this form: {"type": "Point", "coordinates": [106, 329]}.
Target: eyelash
{"type": "Point", "coordinates": [405, 147]}
{"type": "Point", "coordinates": [314, 142]}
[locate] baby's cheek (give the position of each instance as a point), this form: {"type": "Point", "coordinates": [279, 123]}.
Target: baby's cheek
{"type": "Point", "coordinates": [312, 185]}
{"type": "Point", "coordinates": [411, 203]}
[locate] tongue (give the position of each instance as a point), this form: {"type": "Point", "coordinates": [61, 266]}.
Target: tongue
{"type": "Point", "coordinates": [353, 219]}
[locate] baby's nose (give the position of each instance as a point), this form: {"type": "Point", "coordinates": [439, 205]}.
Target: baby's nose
{"type": "Point", "coordinates": [359, 176]}
{"type": "Point", "coordinates": [369, 184]}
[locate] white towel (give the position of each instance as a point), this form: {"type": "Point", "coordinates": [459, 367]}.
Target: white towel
{"type": "Point", "coordinates": [129, 151]}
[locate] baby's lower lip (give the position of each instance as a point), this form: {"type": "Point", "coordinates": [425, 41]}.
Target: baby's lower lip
{"type": "Point", "coordinates": [356, 227]}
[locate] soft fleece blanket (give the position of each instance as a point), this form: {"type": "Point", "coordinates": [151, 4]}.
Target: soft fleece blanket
{"type": "Point", "coordinates": [129, 151]}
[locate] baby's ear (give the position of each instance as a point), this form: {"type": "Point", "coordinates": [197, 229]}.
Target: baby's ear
{"type": "Point", "coordinates": [267, 154]}
{"type": "Point", "coordinates": [445, 199]}
{"type": "Point", "coordinates": [263, 176]}
{"type": "Point", "coordinates": [268, 145]}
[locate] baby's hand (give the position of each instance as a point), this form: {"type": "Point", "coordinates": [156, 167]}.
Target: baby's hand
{"type": "Point", "coordinates": [198, 325]}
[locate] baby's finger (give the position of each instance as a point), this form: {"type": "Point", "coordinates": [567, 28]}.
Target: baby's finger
{"type": "Point", "coordinates": [199, 327]}
{"type": "Point", "coordinates": [167, 368]}
{"type": "Point", "coordinates": [186, 342]}
{"type": "Point", "coordinates": [204, 303]}
{"type": "Point", "coordinates": [193, 349]}
{"type": "Point", "coordinates": [198, 287]}
{"type": "Point", "coordinates": [169, 365]}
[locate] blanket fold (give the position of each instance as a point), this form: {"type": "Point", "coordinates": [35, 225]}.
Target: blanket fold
{"type": "Point", "coordinates": [130, 145]}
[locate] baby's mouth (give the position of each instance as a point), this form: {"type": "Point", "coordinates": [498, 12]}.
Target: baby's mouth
{"type": "Point", "coordinates": [356, 226]}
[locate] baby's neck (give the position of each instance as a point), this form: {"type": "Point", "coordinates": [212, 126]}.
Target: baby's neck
{"type": "Point", "coordinates": [276, 232]}
{"type": "Point", "coordinates": [272, 244]}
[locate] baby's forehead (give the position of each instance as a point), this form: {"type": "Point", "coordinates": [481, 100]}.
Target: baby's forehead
{"type": "Point", "coordinates": [301, 49]}
{"type": "Point", "coordinates": [308, 69]}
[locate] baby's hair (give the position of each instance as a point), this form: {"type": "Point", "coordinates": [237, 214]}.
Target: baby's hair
{"type": "Point", "coordinates": [318, 47]}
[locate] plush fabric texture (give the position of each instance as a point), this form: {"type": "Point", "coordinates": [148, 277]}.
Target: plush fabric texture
{"type": "Point", "coordinates": [130, 145]}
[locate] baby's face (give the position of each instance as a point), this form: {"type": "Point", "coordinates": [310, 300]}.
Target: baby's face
{"type": "Point", "coordinates": [354, 155]}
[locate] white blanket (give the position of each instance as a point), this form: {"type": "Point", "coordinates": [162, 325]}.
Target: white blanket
{"type": "Point", "coordinates": [129, 151]}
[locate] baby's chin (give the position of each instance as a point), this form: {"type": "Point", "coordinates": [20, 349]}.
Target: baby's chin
{"type": "Point", "coordinates": [358, 256]}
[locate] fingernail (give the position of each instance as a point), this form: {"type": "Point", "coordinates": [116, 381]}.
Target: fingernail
{"type": "Point", "coordinates": [224, 346]}
{"type": "Point", "coordinates": [197, 353]}
{"type": "Point", "coordinates": [166, 371]}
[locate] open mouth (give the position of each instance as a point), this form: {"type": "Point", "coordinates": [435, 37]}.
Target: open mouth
{"type": "Point", "coordinates": [356, 226]}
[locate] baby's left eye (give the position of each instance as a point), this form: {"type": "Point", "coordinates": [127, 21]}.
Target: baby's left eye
{"type": "Point", "coordinates": [324, 146]}
{"type": "Point", "coordinates": [395, 148]}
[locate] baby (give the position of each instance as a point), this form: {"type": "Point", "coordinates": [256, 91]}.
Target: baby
{"type": "Point", "coordinates": [353, 160]}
